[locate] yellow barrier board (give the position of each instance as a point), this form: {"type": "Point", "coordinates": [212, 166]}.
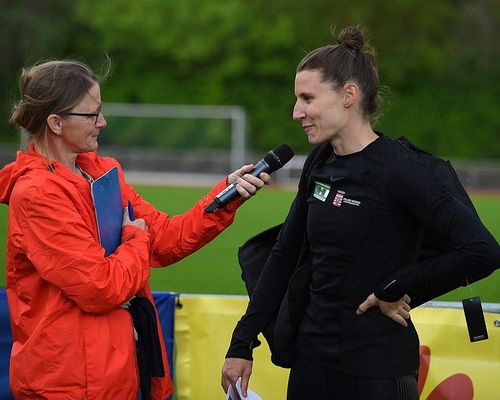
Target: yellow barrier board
{"type": "Point", "coordinates": [450, 365]}
{"type": "Point", "coordinates": [452, 368]}
{"type": "Point", "coordinates": [203, 329]}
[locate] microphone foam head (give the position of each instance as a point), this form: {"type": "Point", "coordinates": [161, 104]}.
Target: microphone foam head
{"type": "Point", "coordinates": [279, 156]}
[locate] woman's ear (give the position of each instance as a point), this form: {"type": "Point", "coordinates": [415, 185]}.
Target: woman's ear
{"type": "Point", "coordinates": [55, 124]}
{"type": "Point", "coordinates": [351, 94]}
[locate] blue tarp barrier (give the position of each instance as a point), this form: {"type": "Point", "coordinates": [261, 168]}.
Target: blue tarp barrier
{"type": "Point", "coordinates": [165, 303]}
{"type": "Point", "coordinates": [5, 345]}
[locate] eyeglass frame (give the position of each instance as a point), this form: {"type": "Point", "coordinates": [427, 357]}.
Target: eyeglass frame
{"type": "Point", "coordinates": [80, 114]}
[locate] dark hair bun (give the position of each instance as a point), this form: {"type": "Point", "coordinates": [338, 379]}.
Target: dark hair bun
{"type": "Point", "coordinates": [351, 37]}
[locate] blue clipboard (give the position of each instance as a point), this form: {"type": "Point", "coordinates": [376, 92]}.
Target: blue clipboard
{"type": "Point", "coordinates": [107, 198]}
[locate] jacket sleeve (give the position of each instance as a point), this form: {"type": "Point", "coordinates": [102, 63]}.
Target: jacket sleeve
{"type": "Point", "coordinates": [58, 242]}
{"type": "Point", "coordinates": [272, 284]}
{"type": "Point", "coordinates": [474, 251]}
{"type": "Point", "coordinates": [274, 280]}
{"type": "Point", "coordinates": [175, 237]}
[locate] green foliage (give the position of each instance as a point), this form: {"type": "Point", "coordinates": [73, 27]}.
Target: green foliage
{"type": "Point", "coordinates": [441, 59]}
{"type": "Point", "coordinates": [449, 120]}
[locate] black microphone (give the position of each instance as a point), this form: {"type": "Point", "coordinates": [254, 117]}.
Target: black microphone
{"type": "Point", "coordinates": [273, 160]}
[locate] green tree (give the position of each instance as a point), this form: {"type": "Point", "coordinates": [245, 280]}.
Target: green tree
{"type": "Point", "coordinates": [439, 59]}
{"type": "Point", "coordinates": [30, 30]}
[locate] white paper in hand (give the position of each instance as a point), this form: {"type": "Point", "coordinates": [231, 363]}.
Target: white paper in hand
{"type": "Point", "coordinates": [231, 395]}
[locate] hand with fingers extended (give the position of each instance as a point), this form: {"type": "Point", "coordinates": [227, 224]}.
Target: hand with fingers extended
{"type": "Point", "coordinates": [233, 369]}
{"type": "Point", "coordinates": [398, 311]}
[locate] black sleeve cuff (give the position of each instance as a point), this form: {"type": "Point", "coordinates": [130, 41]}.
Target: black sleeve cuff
{"type": "Point", "coordinates": [240, 349]}
{"type": "Point", "coordinates": [391, 292]}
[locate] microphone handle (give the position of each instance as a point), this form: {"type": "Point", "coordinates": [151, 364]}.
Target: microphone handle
{"type": "Point", "coordinates": [230, 192]}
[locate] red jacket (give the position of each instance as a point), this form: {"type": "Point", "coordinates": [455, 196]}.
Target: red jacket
{"type": "Point", "coordinates": [71, 338]}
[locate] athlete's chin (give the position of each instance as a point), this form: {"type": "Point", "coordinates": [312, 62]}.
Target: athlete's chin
{"type": "Point", "coordinates": [313, 139]}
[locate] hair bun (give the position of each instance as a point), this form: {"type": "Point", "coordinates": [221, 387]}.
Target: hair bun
{"type": "Point", "coordinates": [351, 37]}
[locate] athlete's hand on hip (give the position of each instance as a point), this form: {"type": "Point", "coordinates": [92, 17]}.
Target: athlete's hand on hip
{"type": "Point", "coordinates": [398, 311]}
{"type": "Point", "coordinates": [234, 368]}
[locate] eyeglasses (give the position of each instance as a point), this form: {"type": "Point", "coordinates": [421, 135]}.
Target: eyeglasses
{"type": "Point", "coordinates": [96, 114]}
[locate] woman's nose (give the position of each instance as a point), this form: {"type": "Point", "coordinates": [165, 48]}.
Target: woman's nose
{"type": "Point", "coordinates": [298, 112]}
{"type": "Point", "coordinates": [101, 121]}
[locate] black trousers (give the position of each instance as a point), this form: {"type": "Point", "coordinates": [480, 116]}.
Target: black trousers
{"type": "Point", "coordinates": [308, 380]}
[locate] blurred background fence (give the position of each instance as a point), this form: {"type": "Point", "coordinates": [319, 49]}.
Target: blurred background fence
{"type": "Point", "coordinates": [193, 145]}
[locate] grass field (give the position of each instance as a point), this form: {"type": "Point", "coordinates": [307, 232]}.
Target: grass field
{"type": "Point", "coordinates": [214, 269]}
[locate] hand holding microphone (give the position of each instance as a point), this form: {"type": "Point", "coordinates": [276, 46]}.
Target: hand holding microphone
{"type": "Point", "coordinates": [273, 160]}
{"type": "Point", "coordinates": [246, 184]}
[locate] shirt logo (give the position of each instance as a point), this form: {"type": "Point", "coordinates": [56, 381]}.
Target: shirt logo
{"type": "Point", "coordinates": [340, 198]}
{"type": "Point", "coordinates": [351, 202]}
{"type": "Point", "coordinates": [321, 190]}
{"type": "Point", "coordinates": [337, 201]}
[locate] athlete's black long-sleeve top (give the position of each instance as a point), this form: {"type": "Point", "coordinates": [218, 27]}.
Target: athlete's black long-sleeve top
{"type": "Point", "coordinates": [364, 216]}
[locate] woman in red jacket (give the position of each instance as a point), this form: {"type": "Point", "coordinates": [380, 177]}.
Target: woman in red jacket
{"type": "Point", "coordinates": [73, 336]}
